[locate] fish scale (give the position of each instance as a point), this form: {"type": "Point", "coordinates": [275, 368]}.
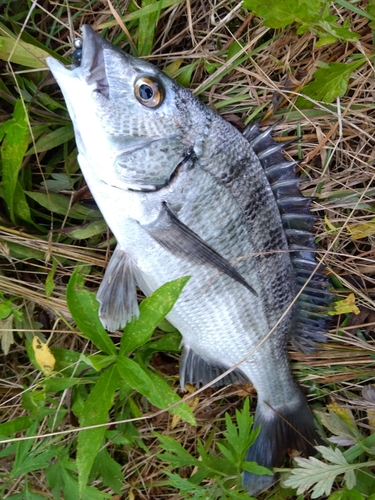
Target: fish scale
{"type": "Point", "coordinates": [185, 193]}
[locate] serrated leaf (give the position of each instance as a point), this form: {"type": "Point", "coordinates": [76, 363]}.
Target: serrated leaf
{"type": "Point", "coordinates": [59, 182]}
{"type": "Point", "coordinates": [180, 457]}
{"type": "Point", "coordinates": [319, 475]}
{"type": "Point", "coordinates": [151, 311]}
{"type": "Point", "coordinates": [95, 411]}
{"type": "Point", "coordinates": [85, 311]}
{"type": "Point", "coordinates": [329, 83]}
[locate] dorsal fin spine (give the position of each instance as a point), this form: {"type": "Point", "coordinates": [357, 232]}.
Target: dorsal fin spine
{"type": "Point", "coordinates": [310, 322]}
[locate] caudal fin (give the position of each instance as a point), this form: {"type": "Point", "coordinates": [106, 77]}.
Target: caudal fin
{"type": "Point", "coordinates": [289, 428]}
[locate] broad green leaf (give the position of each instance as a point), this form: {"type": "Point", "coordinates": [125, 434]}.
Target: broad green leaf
{"type": "Point", "coordinates": [15, 425]}
{"type": "Point", "coordinates": [84, 309]}
{"type": "Point", "coordinates": [164, 396]}
{"type": "Point", "coordinates": [60, 204]}
{"type": "Point", "coordinates": [280, 14]}
{"type": "Point", "coordinates": [308, 15]}
{"type": "Point", "coordinates": [152, 311]}
{"type": "Point", "coordinates": [329, 83]}
{"type": "Point", "coordinates": [95, 411]}
{"type": "Point", "coordinates": [13, 149]}
{"type": "Point", "coordinates": [22, 53]}
{"type": "Point", "coordinates": [60, 384]}
{"type": "Point", "coordinates": [155, 389]}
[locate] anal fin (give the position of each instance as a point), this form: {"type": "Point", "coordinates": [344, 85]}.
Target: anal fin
{"type": "Point", "coordinates": [197, 371]}
{"type": "Point", "coordinates": [117, 293]}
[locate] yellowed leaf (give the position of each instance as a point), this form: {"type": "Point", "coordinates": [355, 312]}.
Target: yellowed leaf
{"type": "Point", "coordinates": [345, 306]}
{"type": "Point", "coordinates": [43, 356]}
{"type": "Point", "coordinates": [171, 69]}
{"type": "Point", "coordinates": [343, 413]}
{"type": "Point", "coordinates": [22, 53]}
{"type": "Point", "coordinates": [193, 403]}
{"type": "Point", "coordinates": [358, 231]}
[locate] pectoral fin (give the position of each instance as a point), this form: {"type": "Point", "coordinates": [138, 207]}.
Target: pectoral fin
{"type": "Point", "coordinates": [117, 293]}
{"type": "Point", "coordinates": [177, 238]}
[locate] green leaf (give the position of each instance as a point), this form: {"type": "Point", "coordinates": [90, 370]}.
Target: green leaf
{"type": "Point", "coordinates": [155, 389]}
{"type": "Point", "coordinates": [86, 230]}
{"type": "Point", "coordinates": [151, 311]}
{"type": "Point", "coordinates": [13, 149]}
{"type": "Point", "coordinates": [28, 457]}
{"type": "Point", "coordinates": [308, 15]}
{"type": "Point", "coordinates": [177, 456]}
{"type": "Point", "coordinates": [109, 471]}
{"type": "Point", "coordinates": [146, 29]}
{"type": "Point", "coordinates": [53, 139]}
{"type": "Point", "coordinates": [329, 83]}
{"type": "Point", "coordinates": [22, 53]}
{"type": "Point", "coordinates": [95, 411]}
{"type": "Point", "coordinates": [50, 283]}
{"type": "Point", "coordinates": [315, 473]}
{"type": "Point", "coordinates": [84, 309]}
{"type": "Point", "coordinates": [15, 425]}
{"type": "Point", "coordinates": [254, 468]}
{"type": "Point", "coordinates": [185, 74]}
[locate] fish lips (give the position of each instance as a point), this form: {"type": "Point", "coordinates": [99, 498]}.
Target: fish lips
{"type": "Point", "coordinates": [92, 66]}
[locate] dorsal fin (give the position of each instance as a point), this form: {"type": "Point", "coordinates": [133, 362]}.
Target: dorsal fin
{"type": "Point", "coordinates": [310, 322]}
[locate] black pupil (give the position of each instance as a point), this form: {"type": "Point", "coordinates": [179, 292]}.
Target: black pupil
{"type": "Point", "coordinates": [146, 92]}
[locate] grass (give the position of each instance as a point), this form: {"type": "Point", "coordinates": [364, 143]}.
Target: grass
{"type": "Point", "coordinates": [301, 63]}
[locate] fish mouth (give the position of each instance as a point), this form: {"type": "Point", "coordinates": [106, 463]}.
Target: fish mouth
{"type": "Point", "coordinates": [91, 64]}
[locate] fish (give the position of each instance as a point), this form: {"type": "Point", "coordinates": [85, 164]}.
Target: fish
{"type": "Point", "coordinates": [187, 194]}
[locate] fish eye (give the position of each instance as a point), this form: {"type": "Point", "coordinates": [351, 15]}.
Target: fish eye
{"type": "Point", "coordinates": [149, 91]}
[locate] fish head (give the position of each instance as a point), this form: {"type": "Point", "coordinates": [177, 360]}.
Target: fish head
{"type": "Point", "coordinates": [131, 120]}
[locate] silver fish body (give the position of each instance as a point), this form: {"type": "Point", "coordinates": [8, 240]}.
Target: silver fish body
{"type": "Point", "coordinates": [185, 193]}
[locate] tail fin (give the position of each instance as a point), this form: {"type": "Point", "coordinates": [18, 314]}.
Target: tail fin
{"type": "Point", "coordinates": [291, 428]}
